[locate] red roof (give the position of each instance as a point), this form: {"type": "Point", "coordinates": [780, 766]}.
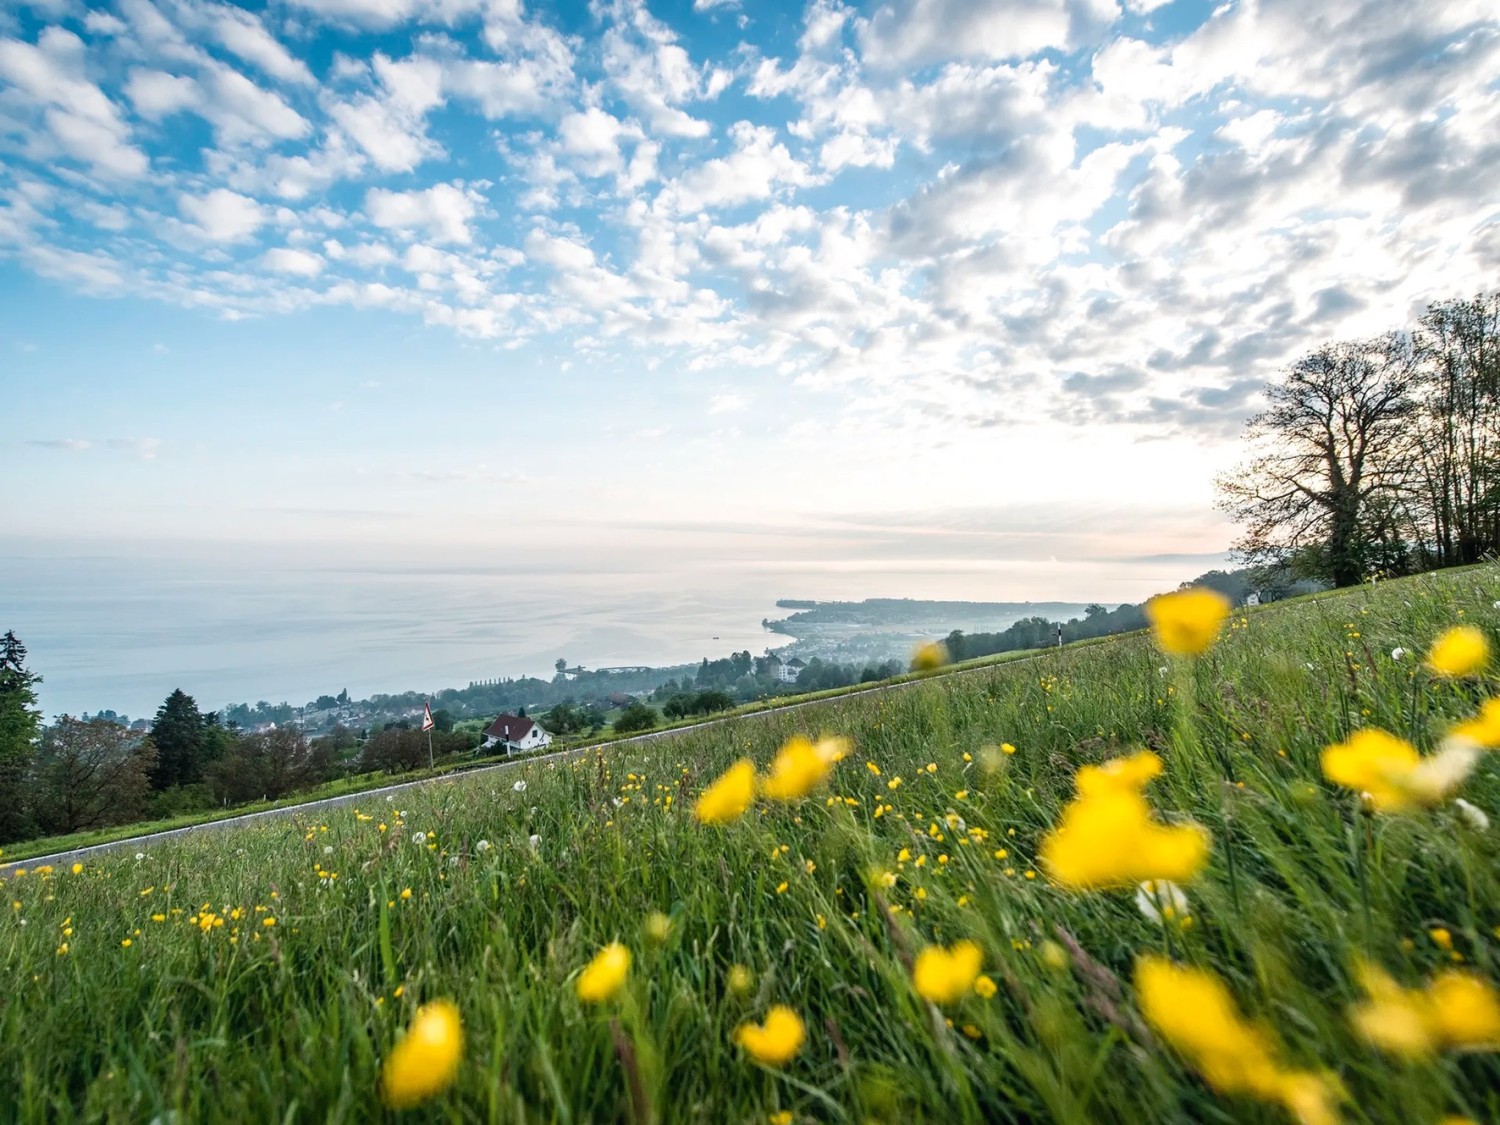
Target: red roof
{"type": "Point", "coordinates": [509, 728]}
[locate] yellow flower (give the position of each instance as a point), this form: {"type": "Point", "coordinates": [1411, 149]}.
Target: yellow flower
{"type": "Point", "coordinates": [776, 1041]}
{"type": "Point", "coordinates": [1461, 651]}
{"type": "Point", "coordinates": [945, 975]}
{"type": "Point", "coordinates": [931, 655]}
{"type": "Point", "coordinates": [985, 987]}
{"type": "Point", "coordinates": [425, 1061]}
{"type": "Point", "coordinates": [78, 869]}
{"type": "Point", "coordinates": [1484, 728]}
{"type": "Point", "coordinates": [873, 768]}
{"type": "Point", "coordinates": [1194, 1012]}
{"type": "Point", "coordinates": [1106, 838]}
{"type": "Point", "coordinates": [1457, 1010]}
{"type": "Point", "coordinates": [1187, 623]}
{"type": "Point", "coordinates": [1391, 771]}
{"type": "Point", "coordinates": [801, 767]}
{"type": "Point", "coordinates": [727, 798]}
{"type": "Point", "coordinates": [781, 1117]}
{"type": "Point", "coordinates": [604, 975]}
{"type": "Point", "coordinates": [740, 979]}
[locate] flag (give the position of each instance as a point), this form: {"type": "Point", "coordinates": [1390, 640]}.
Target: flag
{"type": "Point", "coordinates": [427, 723]}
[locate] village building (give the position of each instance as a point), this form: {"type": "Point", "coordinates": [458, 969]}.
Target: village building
{"type": "Point", "coordinates": [511, 734]}
{"type": "Point", "coordinates": [790, 670]}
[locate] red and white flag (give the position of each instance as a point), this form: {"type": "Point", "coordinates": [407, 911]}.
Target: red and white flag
{"type": "Point", "coordinates": [427, 723]}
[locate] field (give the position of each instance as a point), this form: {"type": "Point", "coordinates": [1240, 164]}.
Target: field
{"type": "Point", "coordinates": [266, 974]}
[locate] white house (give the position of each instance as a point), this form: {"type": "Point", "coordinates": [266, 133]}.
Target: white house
{"type": "Point", "coordinates": [513, 735]}
{"type": "Point", "coordinates": [789, 671]}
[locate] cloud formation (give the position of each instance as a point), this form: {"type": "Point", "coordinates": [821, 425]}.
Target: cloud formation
{"type": "Point", "coordinates": [953, 212]}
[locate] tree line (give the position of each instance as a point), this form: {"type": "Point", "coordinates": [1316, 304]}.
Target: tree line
{"type": "Point", "coordinates": [1378, 456]}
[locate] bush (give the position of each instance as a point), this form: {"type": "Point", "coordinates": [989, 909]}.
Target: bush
{"type": "Point", "coordinates": [636, 717]}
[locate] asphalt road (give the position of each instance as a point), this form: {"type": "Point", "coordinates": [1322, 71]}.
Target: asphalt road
{"type": "Point", "coordinates": [140, 843]}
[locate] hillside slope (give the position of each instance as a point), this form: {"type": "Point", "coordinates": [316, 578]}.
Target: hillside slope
{"type": "Point", "coordinates": [264, 973]}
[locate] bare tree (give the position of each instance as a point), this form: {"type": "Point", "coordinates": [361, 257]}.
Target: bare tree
{"type": "Point", "coordinates": [1456, 508]}
{"type": "Point", "coordinates": [1331, 458]}
{"type": "Point", "coordinates": [90, 774]}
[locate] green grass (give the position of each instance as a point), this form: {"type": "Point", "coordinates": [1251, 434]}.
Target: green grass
{"type": "Point", "coordinates": [245, 1022]}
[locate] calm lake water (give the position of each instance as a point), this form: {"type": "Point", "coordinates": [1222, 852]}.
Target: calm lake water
{"type": "Point", "coordinates": [245, 624]}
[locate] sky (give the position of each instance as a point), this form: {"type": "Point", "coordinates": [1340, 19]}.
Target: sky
{"type": "Point", "coordinates": [934, 286]}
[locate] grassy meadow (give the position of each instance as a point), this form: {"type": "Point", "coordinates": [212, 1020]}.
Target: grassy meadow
{"type": "Point", "coordinates": [264, 974]}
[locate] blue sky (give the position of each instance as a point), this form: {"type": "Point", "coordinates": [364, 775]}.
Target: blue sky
{"type": "Point", "coordinates": [912, 280]}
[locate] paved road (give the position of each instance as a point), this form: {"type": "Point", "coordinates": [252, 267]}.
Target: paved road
{"type": "Point", "coordinates": [139, 843]}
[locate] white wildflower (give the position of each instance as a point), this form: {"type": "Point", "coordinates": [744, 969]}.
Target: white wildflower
{"type": "Point", "coordinates": [519, 787]}
{"type": "Point", "coordinates": [139, 856]}
{"type": "Point", "coordinates": [535, 841]}
{"type": "Point", "coordinates": [453, 861]}
{"type": "Point", "coordinates": [1472, 815]}
{"type": "Point", "coordinates": [327, 849]}
{"type": "Point", "coordinates": [1159, 899]}
{"type": "Point", "coordinates": [419, 837]}
{"type": "Point", "coordinates": [1398, 654]}
{"type": "Point", "coordinates": [482, 846]}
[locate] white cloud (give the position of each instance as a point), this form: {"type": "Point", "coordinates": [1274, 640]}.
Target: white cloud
{"type": "Point", "coordinates": [244, 35]}
{"type": "Point", "coordinates": [157, 94]}
{"type": "Point", "coordinates": [651, 71]}
{"type": "Point", "coordinates": [442, 211]}
{"type": "Point", "coordinates": [223, 215]}
{"type": "Point", "coordinates": [757, 167]}
{"type": "Point", "coordinates": [79, 119]}
{"type": "Point", "coordinates": [243, 113]}
{"type": "Point", "coordinates": [387, 13]}
{"type": "Point", "coordinates": [728, 402]}
{"type": "Point", "coordinates": [920, 32]}
{"type": "Point", "coordinates": [299, 263]}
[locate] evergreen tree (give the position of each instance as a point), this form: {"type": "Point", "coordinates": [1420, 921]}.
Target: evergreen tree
{"type": "Point", "coordinates": [179, 735]}
{"type": "Point", "coordinates": [19, 722]}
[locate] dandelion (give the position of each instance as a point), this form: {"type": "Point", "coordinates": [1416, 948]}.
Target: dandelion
{"type": "Point", "coordinates": [776, 1041]}
{"type": "Point", "coordinates": [728, 797]}
{"type": "Point", "coordinates": [1456, 1010]}
{"type": "Point", "coordinates": [139, 856]}
{"type": "Point", "coordinates": [1461, 651]}
{"type": "Point", "coordinates": [77, 869]}
{"type": "Point", "coordinates": [425, 1061]}
{"type": "Point", "coordinates": [873, 768]}
{"type": "Point", "coordinates": [605, 974]}
{"type": "Point", "coordinates": [534, 840]}
{"type": "Point", "coordinates": [933, 654]}
{"type": "Point", "coordinates": [1187, 623]}
{"type": "Point", "coordinates": [1194, 1012]}
{"type": "Point", "coordinates": [945, 975]}
{"type": "Point", "coordinates": [482, 847]}
{"type": "Point", "coordinates": [518, 787]}
{"type": "Point", "coordinates": [419, 837]}
{"type": "Point", "coordinates": [406, 894]}
{"type": "Point", "coordinates": [1398, 654]}
{"type": "Point", "coordinates": [985, 987]}
{"type": "Point", "coordinates": [327, 849]}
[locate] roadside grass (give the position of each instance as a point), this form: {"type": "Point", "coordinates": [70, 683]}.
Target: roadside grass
{"type": "Point", "coordinates": [366, 782]}
{"type": "Point", "coordinates": [210, 1013]}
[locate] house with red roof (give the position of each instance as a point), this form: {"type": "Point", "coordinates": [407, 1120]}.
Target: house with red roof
{"type": "Point", "coordinates": [513, 734]}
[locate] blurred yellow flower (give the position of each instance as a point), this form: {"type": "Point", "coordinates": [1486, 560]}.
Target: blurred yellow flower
{"type": "Point", "coordinates": [945, 975]}
{"type": "Point", "coordinates": [425, 1061]}
{"type": "Point", "coordinates": [1457, 1010]}
{"type": "Point", "coordinates": [1391, 771]}
{"type": "Point", "coordinates": [658, 927]}
{"type": "Point", "coordinates": [800, 767]}
{"type": "Point", "coordinates": [985, 987]}
{"type": "Point", "coordinates": [1106, 837]}
{"type": "Point", "coordinates": [1187, 622]}
{"type": "Point", "coordinates": [1484, 728]}
{"type": "Point", "coordinates": [78, 869]}
{"type": "Point", "coordinates": [1461, 651]}
{"type": "Point", "coordinates": [933, 654]}
{"type": "Point", "coordinates": [776, 1041]}
{"type": "Point", "coordinates": [728, 797]}
{"type": "Point", "coordinates": [604, 975]}
{"type": "Point", "coordinates": [1194, 1012]}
